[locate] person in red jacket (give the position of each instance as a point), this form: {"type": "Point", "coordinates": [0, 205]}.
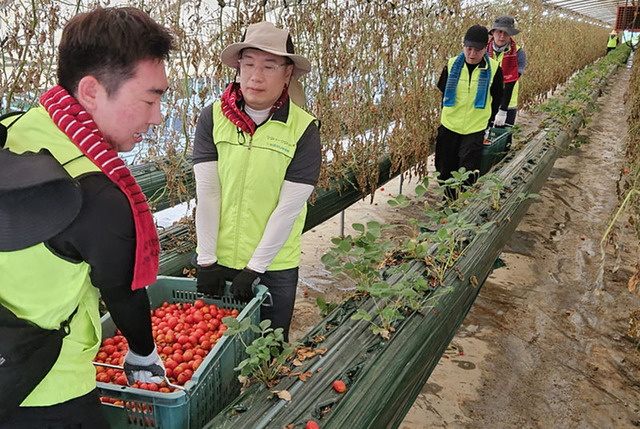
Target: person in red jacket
{"type": "Point", "coordinates": [513, 60]}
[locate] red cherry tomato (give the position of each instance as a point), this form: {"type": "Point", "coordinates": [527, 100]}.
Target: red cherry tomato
{"type": "Point", "coordinates": [184, 334]}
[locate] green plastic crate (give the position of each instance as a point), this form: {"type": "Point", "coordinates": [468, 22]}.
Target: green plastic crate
{"type": "Point", "coordinates": [493, 152]}
{"type": "Point", "coordinates": [213, 385]}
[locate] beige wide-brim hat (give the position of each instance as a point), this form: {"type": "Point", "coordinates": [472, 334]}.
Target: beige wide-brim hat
{"type": "Point", "coordinates": [296, 92]}
{"type": "Point", "coordinates": [613, 32]}
{"type": "Point", "coordinates": [268, 38]}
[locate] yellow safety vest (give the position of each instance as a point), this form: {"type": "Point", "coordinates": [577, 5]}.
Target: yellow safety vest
{"type": "Point", "coordinates": [41, 287]}
{"type": "Point", "coordinates": [463, 118]}
{"type": "Point", "coordinates": [251, 171]}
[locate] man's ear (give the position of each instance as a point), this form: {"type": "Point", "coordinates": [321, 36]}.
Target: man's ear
{"type": "Point", "coordinates": [289, 73]}
{"type": "Point", "coordinates": [89, 92]}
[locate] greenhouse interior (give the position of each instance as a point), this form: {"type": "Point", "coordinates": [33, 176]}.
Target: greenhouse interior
{"type": "Point", "coordinates": [513, 303]}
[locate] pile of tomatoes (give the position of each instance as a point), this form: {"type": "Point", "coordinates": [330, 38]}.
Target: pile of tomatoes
{"type": "Point", "coordinates": [184, 334]}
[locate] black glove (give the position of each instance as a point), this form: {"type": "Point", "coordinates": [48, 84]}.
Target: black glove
{"type": "Point", "coordinates": [210, 279]}
{"type": "Point", "coordinates": [242, 285]}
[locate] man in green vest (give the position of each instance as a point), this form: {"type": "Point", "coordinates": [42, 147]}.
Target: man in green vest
{"type": "Point", "coordinates": [512, 60]}
{"type": "Point", "coordinates": [612, 41]}
{"type": "Point", "coordinates": [110, 85]}
{"type": "Point", "coordinates": [471, 84]}
{"type": "Point", "coordinates": [256, 161]}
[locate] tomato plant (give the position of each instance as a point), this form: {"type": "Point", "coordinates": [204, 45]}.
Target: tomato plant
{"type": "Point", "coordinates": [267, 353]}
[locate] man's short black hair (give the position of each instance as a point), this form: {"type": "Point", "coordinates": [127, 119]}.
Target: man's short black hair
{"type": "Point", "coordinates": [108, 43]}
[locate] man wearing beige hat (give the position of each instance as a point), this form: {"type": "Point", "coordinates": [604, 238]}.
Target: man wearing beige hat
{"type": "Point", "coordinates": [256, 161]}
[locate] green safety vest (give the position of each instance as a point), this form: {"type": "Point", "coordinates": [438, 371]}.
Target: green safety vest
{"type": "Point", "coordinates": [463, 118]}
{"type": "Point", "coordinates": [45, 289]}
{"type": "Point", "coordinates": [251, 171]}
{"type": "Point", "coordinates": [513, 102]}
{"type": "Point", "coordinates": [612, 42]}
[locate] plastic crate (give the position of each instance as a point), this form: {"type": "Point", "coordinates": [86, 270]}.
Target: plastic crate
{"type": "Point", "coordinates": [213, 385]}
{"type": "Point", "coordinates": [495, 149]}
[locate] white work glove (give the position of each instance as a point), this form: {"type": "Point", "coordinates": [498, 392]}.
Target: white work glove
{"type": "Point", "coordinates": [501, 118]}
{"type": "Point", "coordinates": [145, 369]}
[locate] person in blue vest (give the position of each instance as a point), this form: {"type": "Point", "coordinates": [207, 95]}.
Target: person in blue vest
{"type": "Point", "coordinates": [110, 84]}
{"type": "Point", "coordinates": [612, 41]}
{"type": "Point", "coordinates": [256, 159]}
{"type": "Point", "coordinates": [471, 84]}
{"type": "Point", "coordinates": [512, 60]}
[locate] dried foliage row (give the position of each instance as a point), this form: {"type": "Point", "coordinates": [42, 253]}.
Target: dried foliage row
{"type": "Point", "coordinates": [375, 66]}
{"type": "Point", "coordinates": [630, 176]}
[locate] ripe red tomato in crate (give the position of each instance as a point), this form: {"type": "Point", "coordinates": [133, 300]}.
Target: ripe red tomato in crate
{"type": "Point", "coordinates": [184, 334]}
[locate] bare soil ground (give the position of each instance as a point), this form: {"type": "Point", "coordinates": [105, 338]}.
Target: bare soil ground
{"type": "Point", "coordinates": [546, 343]}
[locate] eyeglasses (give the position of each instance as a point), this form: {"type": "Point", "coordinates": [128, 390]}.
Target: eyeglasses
{"type": "Point", "coordinates": [248, 65]}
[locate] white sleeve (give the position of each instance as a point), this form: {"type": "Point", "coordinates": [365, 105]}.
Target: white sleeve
{"type": "Point", "coordinates": [207, 210]}
{"type": "Point", "coordinates": [293, 197]}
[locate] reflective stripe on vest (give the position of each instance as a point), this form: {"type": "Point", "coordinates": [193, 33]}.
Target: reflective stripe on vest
{"type": "Point", "coordinates": [41, 287]}
{"type": "Point", "coordinates": [463, 118]}
{"type": "Point", "coordinates": [513, 103]}
{"type": "Point", "coordinates": [252, 170]}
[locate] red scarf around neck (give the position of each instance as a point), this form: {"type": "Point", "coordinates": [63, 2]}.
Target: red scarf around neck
{"type": "Point", "coordinates": [509, 61]}
{"type": "Point", "coordinates": [230, 100]}
{"type": "Point", "coordinates": [79, 126]}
